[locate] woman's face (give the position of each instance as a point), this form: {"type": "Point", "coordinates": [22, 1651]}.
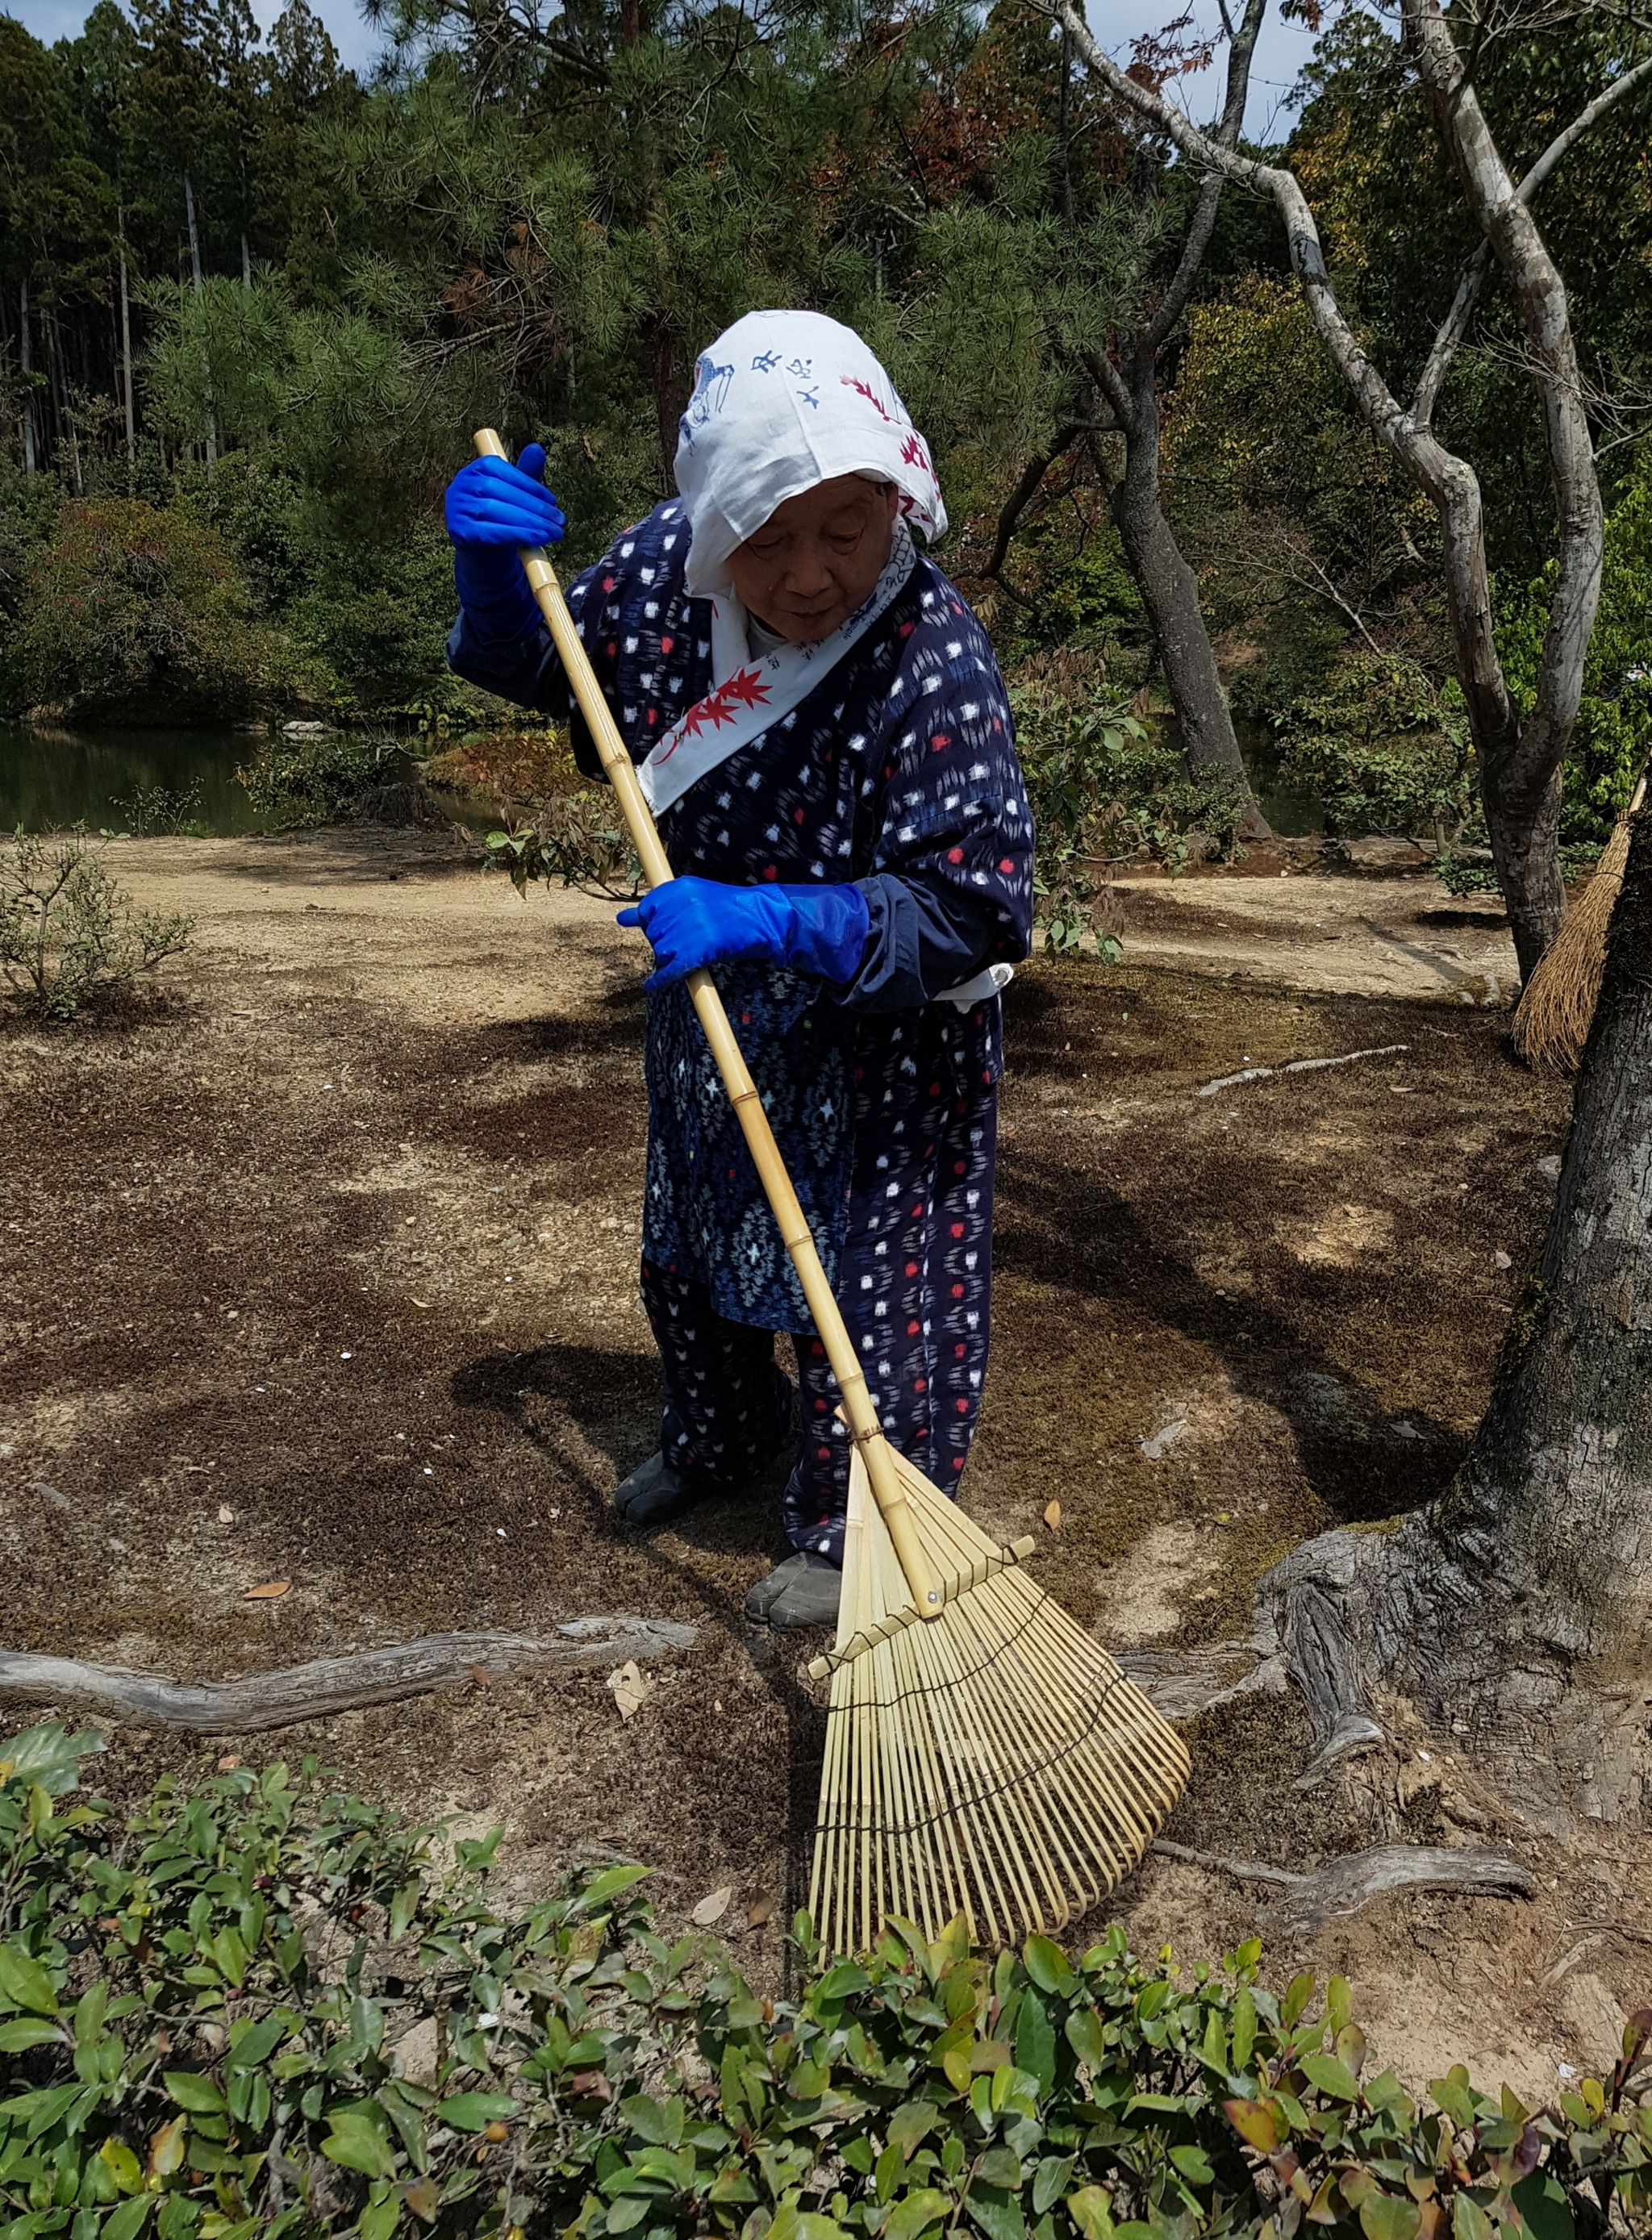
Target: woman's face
{"type": "Point", "coordinates": [816, 559]}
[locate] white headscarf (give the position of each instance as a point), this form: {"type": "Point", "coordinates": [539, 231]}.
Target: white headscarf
{"type": "Point", "coordinates": [783, 400]}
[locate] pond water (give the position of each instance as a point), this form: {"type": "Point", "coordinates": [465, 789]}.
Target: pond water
{"type": "Point", "coordinates": [123, 781]}
{"type": "Point", "coordinates": [129, 780]}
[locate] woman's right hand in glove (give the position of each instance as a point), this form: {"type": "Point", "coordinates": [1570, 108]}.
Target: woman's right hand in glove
{"type": "Point", "coordinates": [492, 509]}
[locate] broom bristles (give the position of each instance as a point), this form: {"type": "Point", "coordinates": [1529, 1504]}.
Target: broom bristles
{"type": "Point", "coordinates": [1554, 1015]}
{"type": "Point", "coordinates": [993, 1763]}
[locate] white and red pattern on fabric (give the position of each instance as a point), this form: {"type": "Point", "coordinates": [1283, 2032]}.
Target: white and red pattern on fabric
{"type": "Point", "coordinates": [760, 693]}
{"type": "Point", "coordinates": [782, 400]}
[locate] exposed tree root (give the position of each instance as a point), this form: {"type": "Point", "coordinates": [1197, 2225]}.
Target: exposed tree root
{"type": "Point", "coordinates": [331, 1684]}
{"type": "Point", "coordinates": [1346, 1886]}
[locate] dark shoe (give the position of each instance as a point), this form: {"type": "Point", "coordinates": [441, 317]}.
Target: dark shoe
{"type": "Point", "coordinates": [804, 1590]}
{"type": "Point", "coordinates": [656, 1490]}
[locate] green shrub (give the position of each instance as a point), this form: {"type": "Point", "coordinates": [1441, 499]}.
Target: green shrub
{"type": "Point", "coordinates": [1612, 734]}
{"type": "Point", "coordinates": [1388, 752]}
{"type": "Point", "coordinates": [68, 933]}
{"type": "Point", "coordinates": [138, 614]}
{"type": "Point", "coordinates": [205, 2007]}
{"type": "Point", "coordinates": [316, 781]}
{"type": "Point", "coordinates": [1103, 786]}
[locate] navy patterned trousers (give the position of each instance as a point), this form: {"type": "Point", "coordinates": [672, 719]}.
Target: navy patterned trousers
{"type": "Point", "coordinates": [914, 1285]}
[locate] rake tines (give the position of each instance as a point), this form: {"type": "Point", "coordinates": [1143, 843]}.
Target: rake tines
{"type": "Point", "coordinates": [994, 1762]}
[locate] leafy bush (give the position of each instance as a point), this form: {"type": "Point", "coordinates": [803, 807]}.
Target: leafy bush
{"type": "Point", "coordinates": [67, 932]}
{"type": "Point", "coordinates": [578, 839]}
{"type": "Point", "coordinates": [1613, 735]}
{"type": "Point", "coordinates": [1102, 788]}
{"type": "Point", "coordinates": [1387, 751]}
{"type": "Point", "coordinates": [154, 809]}
{"type": "Point", "coordinates": [262, 2007]}
{"type": "Point", "coordinates": [139, 613]}
{"type": "Point", "coordinates": [298, 781]}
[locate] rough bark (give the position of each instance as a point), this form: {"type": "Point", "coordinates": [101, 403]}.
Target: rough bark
{"type": "Point", "coordinates": [1516, 1610]}
{"type": "Point", "coordinates": [1520, 762]}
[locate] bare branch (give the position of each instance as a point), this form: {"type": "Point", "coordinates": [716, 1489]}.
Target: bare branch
{"type": "Point", "coordinates": [1031, 476]}
{"type": "Point", "coordinates": [1113, 386]}
{"type": "Point", "coordinates": [1453, 328]}
{"type": "Point", "coordinates": [1454, 325]}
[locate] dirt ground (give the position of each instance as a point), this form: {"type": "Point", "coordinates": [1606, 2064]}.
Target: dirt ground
{"type": "Point", "coordinates": [262, 1319]}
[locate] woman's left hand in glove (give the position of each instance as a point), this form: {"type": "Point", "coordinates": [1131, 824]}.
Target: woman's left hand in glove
{"type": "Point", "coordinates": [694, 922]}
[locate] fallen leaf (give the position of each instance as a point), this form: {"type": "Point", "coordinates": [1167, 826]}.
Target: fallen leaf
{"type": "Point", "coordinates": [268, 1592]}
{"type": "Point", "coordinates": [226, 1515]}
{"type": "Point", "coordinates": [425, 1303]}
{"type": "Point", "coordinates": [496, 2134]}
{"type": "Point", "coordinates": [761, 1910]}
{"type": "Point", "coordinates": [422, 2199]}
{"type": "Point", "coordinates": [228, 1764]}
{"type": "Point", "coordinates": [1052, 1517]}
{"type": "Point", "coordinates": [479, 1674]}
{"type": "Point", "coordinates": [1500, 1260]}
{"type": "Point", "coordinates": [713, 1907]}
{"type": "Point", "coordinates": [629, 1688]}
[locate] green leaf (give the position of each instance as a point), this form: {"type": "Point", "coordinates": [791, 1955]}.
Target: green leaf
{"type": "Point", "coordinates": [1298, 1993]}
{"type": "Point", "coordinates": [1336, 2002]}
{"type": "Point", "coordinates": [1049, 2182]}
{"type": "Point", "coordinates": [608, 1884]}
{"type": "Point", "coordinates": [1468, 2220]}
{"type": "Point", "coordinates": [1091, 2211]}
{"type": "Point", "coordinates": [197, 2093]}
{"type": "Point", "coordinates": [128, 2220]}
{"type": "Point", "coordinates": [996, 2212]}
{"type": "Point", "coordinates": [1086, 2034]}
{"type": "Point", "coordinates": [252, 2045]}
{"type": "Point", "coordinates": [1544, 2209]}
{"type": "Point", "coordinates": [1194, 2164]}
{"type": "Point", "coordinates": [1388, 2217]}
{"type": "Point", "coordinates": [356, 2142]}
{"type": "Point", "coordinates": [915, 2211]}
{"type": "Point", "coordinates": [1450, 2093]}
{"type": "Point", "coordinates": [1049, 1967]}
{"type": "Point", "coordinates": [379, 2219]}
{"type": "Point", "coordinates": [908, 2124]}
{"type": "Point", "coordinates": [840, 1981]}
{"type": "Point", "coordinates": [24, 1982]}
{"type": "Point", "coordinates": [1036, 2040]}
{"type": "Point", "coordinates": [17, 2038]}
{"type": "Point", "coordinates": [1328, 2075]}
{"type": "Point", "coordinates": [659, 2122]}
{"type": "Point", "coordinates": [404, 1906]}
{"type": "Point", "coordinates": [474, 2112]}
{"type": "Point", "coordinates": [1000, 2166]}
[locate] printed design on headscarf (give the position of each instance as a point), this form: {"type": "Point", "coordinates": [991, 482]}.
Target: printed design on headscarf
{"type": "Point", "coordinates": [710, 394]}
{"type": "Point", "coordinates": [784, 401]}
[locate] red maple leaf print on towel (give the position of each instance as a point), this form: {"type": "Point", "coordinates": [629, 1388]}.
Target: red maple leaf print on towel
{"type": "Point", "coordinates": [743, 689]}
{"type": "Point", "coordinates": [861, 390]}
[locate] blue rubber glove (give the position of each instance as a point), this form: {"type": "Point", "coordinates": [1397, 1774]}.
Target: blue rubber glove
{"type": "Point", "coordinates": [695, 922]}
{"type": "Point", "coordinates": [492, 508]}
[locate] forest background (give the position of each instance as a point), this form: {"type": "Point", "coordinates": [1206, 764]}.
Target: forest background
{"type": "Point", "coordinates": [251, 307]}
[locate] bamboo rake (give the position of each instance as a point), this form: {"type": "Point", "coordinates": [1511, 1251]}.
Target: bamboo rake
{"type": "Point", "coordinates": [984, 1756]}
{"type": "Point", "coordinates": [1556, 1010]}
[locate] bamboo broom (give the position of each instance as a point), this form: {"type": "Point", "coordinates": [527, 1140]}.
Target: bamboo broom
{"type": "Point", "coordinates": [1552, 1018]}
{"type": "Point", "coordinates": [984, 1756]}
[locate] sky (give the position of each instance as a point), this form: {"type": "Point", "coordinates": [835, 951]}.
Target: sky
{"type": "Point", "coordinates": [1281, 52]}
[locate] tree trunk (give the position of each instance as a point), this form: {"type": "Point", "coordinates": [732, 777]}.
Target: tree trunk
{"type": "Point", "coordinates": [126, 366]}
{"type": "Point", "coordinates": [1520, 761]}
{"type": "Point", "coordinates": [195, 267]}
{"type": "Point", "coordinates": [1170, 593]}
{"type": "Point", "coordinates": [1516, 1610]}
{"type": "Point", "coordinates": [28, 391]}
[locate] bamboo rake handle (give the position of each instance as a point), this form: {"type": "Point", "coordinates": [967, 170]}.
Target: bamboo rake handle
{"type": "Point", "coordinates": [736, 1080]}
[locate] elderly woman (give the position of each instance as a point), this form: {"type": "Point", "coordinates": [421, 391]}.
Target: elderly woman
{"type": "Point", "coordinates": [824, 736]}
